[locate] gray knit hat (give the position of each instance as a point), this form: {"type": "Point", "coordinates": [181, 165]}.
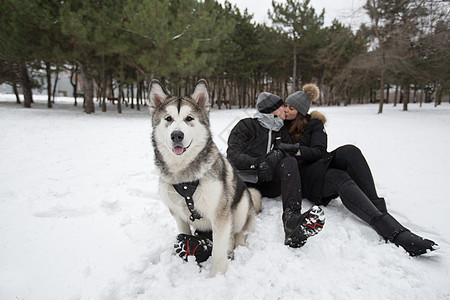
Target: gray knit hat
{"type": "Point", "coordinates": [302, 100]}
{"type": "Point", "coordinates": [268, 103]}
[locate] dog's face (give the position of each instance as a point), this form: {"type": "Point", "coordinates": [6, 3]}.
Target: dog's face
{"type": "Point", "coordinates": [180, 124]}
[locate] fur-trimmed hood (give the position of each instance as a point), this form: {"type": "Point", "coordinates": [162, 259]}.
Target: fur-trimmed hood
{"type": "Point", "coordinates": [318, 115]}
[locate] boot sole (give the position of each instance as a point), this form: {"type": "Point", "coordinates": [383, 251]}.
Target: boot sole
{"type": "Point", "coordinates": [314, 222]}
{"type": "Point", "coordinates": [311, 225]}
{"type": "Point", "coordinates": [424, 251]}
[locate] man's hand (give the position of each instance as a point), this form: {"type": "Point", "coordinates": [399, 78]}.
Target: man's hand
{"type": "Point", "coordinates": [273, 158]}
{"type": "Point", "coordinates": [264, 172]}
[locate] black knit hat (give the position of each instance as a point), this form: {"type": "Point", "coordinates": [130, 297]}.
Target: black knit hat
{"type": "Point", "coordinates": [268, 103]}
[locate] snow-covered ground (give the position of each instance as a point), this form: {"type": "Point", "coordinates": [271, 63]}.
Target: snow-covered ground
{"type": "Point", "coordinates": [80, 215]}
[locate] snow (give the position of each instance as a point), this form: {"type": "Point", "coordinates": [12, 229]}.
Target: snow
{"type": "Point", "coordinates": [80, 215]}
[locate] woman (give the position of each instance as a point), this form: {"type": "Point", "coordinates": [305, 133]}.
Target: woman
{"type": "Point", "coordinates": [343, 172]}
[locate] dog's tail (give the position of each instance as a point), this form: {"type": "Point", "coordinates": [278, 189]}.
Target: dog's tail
{"type": "Point", "coordinates": [256, 199]}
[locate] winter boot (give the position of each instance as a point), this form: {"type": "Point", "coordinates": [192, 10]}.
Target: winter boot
{"type": "Point", "coordinates": [392, 230]}
{"type": "Point", "coordinates": [299, 227]}
{"type": "Point", "coordinates": [199, 246]}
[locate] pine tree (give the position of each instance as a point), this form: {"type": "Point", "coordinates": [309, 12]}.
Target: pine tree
{"type": "Point", "coordinates": [18, 37]}
{"type": "Point", "coordinates": [301, 22]}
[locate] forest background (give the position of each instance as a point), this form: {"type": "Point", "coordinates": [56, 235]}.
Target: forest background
{"type": "Point", "coordinates": [109, 45]}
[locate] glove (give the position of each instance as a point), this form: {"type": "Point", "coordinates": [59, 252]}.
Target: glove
{"type": "Point", "coordinates": [189, 245]}
{"type": "Point", "coordinates": [273, 158]}
{"type": "Point", "coordinates": [264, 172]}
{"type": "Point", "coordinates": [291, 149]}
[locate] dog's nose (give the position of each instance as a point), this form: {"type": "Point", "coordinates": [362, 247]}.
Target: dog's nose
{"type": "Point", "coordinates": [177, 136]}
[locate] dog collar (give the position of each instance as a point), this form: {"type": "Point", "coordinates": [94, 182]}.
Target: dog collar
{"type": "Point", "coordinates": [187, 190]}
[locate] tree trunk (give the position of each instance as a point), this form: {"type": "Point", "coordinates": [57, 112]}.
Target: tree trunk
{"type": "Point", "coordinates": [88, 90]}
{"type": "Point", "coordinates": [396, 95]}
{"type": "Point", "coordinates": [421, 96]}
{"type": "Point", "coordinates": [138, 95]}
{"type": "Point", "coordinates": [294, 71]}
{"type": "Point", "coordinates": [438, 95]}
{"type": "Point", "coordinates": [132, 96]}
{"type": "Point", "coordinates": [383, 63]}
{"type": "Point", "coordinates": [48, 71]}
{"type": "Point", "coordinates": [145, 91]}
{"type": "Point", "coordinates": [74, 83]}
{"type": "Point", "coordinates": [240, 94]}
{"type": "Point", "coordinates": [16, 92]}
{"type": "Point", "coordinates": [119, 101]}
{"type": "Point", "coordinates": [388, 88]}
{"type": "Point", "coordinates": [26, 84]}
{"type": "Point", "coordinates": [138, 104]}
{"type": "Point", "coordinates": [348, 97]}
{"type": "Point", "coordinates": [56, 83]}
{"type": "Point", "coordinates": [128, 93]}
{"type": "Point", "coordinates": [406, 98]}
{"type": "Point", "coordinates": [219, 93]}
{"type": "Point", "coordinates": [98, 92]}
{"type": "Point", "coordinates": [103, 86]}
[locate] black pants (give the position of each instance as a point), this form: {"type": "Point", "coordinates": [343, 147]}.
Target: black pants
{"type": "Point", "coordinates": [349, 176]}
{"type": "Point", "coordinates": [286, 182]}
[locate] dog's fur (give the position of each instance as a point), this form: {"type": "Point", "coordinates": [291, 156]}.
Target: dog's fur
{"type": "Point", "coordinates": [185, 152]}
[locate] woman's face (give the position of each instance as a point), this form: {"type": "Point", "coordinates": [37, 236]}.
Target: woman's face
{"type": "Point", "coordinates": [280, 112]}
{"type": "Point", "coordinates": [290, 112]}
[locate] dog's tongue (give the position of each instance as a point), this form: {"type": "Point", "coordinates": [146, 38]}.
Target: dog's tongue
{"type": "Point", "coordinates": [178, 150]}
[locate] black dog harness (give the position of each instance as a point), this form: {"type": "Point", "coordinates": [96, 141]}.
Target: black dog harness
{"type": "Point", "coordinates": [187, 190]}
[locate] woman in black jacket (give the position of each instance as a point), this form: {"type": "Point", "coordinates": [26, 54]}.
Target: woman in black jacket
{"type": "Point", "coordinates": [344, 172]}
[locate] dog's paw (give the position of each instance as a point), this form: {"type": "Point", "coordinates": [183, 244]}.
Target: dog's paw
{"type": "Point", "coordinates": [212, 274]}
{"type": "Point", "coordinates": [219, 266]}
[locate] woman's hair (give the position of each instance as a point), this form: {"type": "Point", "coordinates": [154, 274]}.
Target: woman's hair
{"type": "Point", "coordinates": [296, 127]}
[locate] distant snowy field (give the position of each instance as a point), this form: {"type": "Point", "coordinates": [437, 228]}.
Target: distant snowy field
{"type": "Point", "coordinates": [80, 215]}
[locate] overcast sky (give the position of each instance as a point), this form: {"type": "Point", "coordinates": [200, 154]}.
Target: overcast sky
{"type": "Point", "coordinates": [348, 12]}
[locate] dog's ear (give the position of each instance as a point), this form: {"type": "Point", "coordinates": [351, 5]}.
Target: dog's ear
{"type": "Point", "coordinates": [157, 95]}
{"type": "Point", "coordinates": [201, 96]}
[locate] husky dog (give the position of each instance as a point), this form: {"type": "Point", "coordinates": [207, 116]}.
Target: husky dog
{"type": "Point", "coordinates": [197, 183]}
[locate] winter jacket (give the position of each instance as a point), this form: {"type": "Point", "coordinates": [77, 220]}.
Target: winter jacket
{"type": "Point", "coordinates": [247, 143]}
{"type": "Point", "coordinates": [314, 159]}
